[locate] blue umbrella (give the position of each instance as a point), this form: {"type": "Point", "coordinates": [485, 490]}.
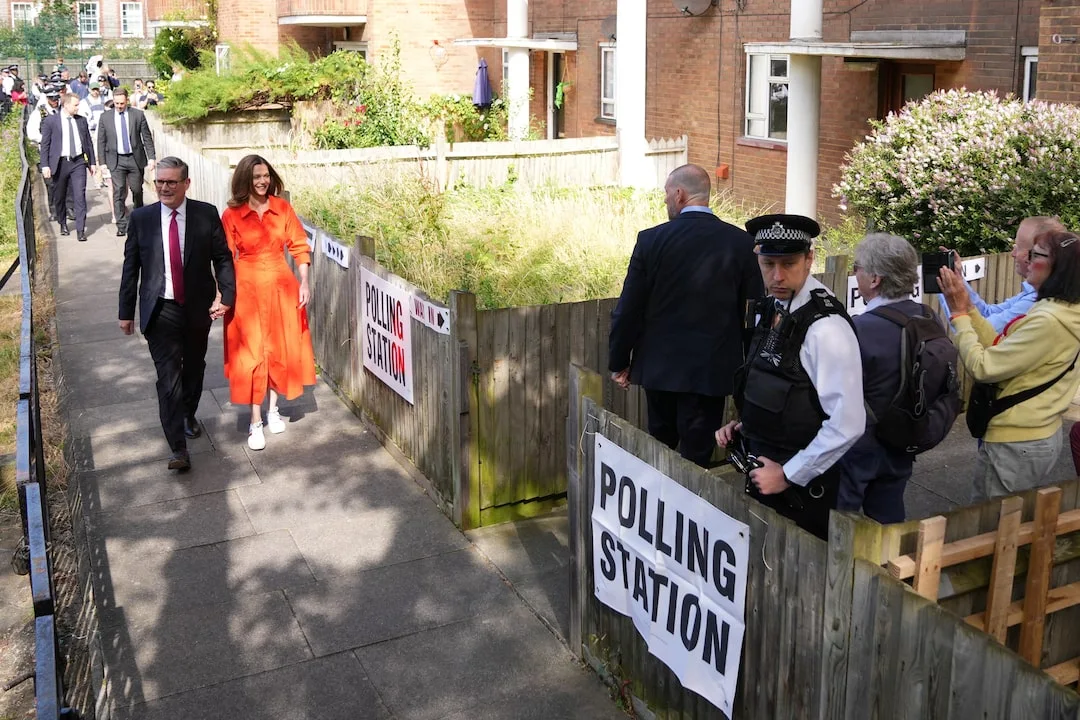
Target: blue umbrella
{"type": "Point", "coordinates": [481, 94]}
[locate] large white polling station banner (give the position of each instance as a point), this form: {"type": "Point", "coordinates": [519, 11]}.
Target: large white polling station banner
{"type": "Point", "coordinates": [674, 564]}
{"type": "Point", "coordinates": [387, 333]}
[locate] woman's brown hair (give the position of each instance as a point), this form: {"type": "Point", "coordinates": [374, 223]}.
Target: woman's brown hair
{"type": "Point", "coordinates": [243, 177]}
{"type": "Point", "coordinates": [1063, 283]}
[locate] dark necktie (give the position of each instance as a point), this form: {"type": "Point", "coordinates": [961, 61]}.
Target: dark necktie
{"type": "Point", "coordinates": [124, 136]}
{"type": "Point", "coordinates": [73, 134]}
{"type": "Point", "coordinates": [176, 260]}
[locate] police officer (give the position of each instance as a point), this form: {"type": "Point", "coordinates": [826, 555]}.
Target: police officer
{"type": "Point", "coordinates": [799, 393]}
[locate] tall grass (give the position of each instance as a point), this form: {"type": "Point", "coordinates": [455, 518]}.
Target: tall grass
{"type": "Point", "coordinates": [10, 174]}
{"type": "Point", "coordinates": [507, 245]}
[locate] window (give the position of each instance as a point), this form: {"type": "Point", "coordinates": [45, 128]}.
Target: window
{"type": "Point", "coordinates": [131, 24]}
{"type": "Point", "coordinates": [352, 46]}
{"type": "Point", "coordinates": [22, 12]}
{"type": "Point", "coordinates": [88, 20]}
{"type": "Point", "coordinates": [607, 81]}
{"type": "Point", "coordinates": [506, 68]}
{"type": "Point", "coordinates": [766, 96]}
{"type": "Point", "coordinates": [1031, 71]}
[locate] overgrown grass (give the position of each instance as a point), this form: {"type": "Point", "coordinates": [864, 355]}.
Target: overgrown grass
{"type": "Point", "coordinates": [506, 245]}
{"type": "Point", "coordinates": [10, 174]}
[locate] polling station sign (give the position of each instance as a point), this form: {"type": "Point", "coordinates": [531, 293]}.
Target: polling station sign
{"type": "Point", "coordinates": [387, 333]}
{"type": "Point", "coordinates": [674, 564]}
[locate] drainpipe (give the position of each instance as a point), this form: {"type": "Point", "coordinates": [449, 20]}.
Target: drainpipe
{"type": "Point", "coordinates": [630, 49]}
{"type": "Point", "coordinates": [804, 111]}
{"type": "Point", "coordinates": [517, 84]}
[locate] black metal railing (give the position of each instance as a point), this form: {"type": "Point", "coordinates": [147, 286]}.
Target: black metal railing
{"type": "Point", "coordinates": [30, 471]}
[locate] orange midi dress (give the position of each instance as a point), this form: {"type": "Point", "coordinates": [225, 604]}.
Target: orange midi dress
{"type": "Point", "coordinates": [267, 342]}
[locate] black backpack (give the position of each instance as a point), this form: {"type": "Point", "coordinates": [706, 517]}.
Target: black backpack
{"type": "Point", "coordinates": [928, 400]}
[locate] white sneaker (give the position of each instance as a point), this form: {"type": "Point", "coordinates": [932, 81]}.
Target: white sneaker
{"type": "Point", "coordinates": [274, 422]}
{"type": "Point", "coordinates": [256, 439]}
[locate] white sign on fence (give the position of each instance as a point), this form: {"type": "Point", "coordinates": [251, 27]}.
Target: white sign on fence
{"type": "Point", "coordinates": [311, 232]}
{"type": "Point", "coordinates": [434, 316]}
{"type": "Point", "coordinates": [387, 333]}
{"type": "Point", "coordinates": [334, 250]}
{"type": "Point", "coordinates": [974, 269]}
{"type": "Point", "coordinates": [674, 564]}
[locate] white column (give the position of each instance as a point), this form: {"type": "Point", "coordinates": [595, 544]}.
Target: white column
{"type": "Point", "coordinates": [804, 112]}
{"type": "Point", "coordinates": [630, 49]}
{"type": "Point", "coordinates": [517, 84]}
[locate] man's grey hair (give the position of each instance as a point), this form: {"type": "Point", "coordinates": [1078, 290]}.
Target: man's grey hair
{"type": "Point", "coordinates": [893, 259]}
{"type": "Point", "coordinates": [173, 163]}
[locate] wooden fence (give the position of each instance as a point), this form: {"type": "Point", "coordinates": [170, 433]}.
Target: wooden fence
{"type": "Point", "coordinates": [829, 633]}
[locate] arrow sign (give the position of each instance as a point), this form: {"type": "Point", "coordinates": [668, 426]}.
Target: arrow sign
{"type": "Point", "coordinates": [974, 268]}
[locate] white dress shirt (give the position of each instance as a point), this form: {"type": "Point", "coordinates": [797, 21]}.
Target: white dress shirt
{"type": "Point", "coordinates": [181, 224]}
{"type": "Point", "coordinates": [830, 356]}
{"type": "Point", "coordinates": [70, 145]}
{"type": "Point", "coordinates": [119, 118]}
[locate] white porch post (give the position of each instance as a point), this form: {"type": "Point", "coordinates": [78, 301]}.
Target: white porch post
{"type": "Point", "coordinates": [804, 112]}
{"type": "Point", "coordinates": [517, 84]}
{"type": "Point", "coordinates": [630, 51]}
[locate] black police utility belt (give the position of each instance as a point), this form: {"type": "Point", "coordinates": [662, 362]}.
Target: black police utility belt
{"type": "Point", "coordinates": [777, 402]}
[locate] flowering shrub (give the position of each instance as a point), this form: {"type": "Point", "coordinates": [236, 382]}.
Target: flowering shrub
{"type": "Point", "coordinates": [466, 122]}
{"type": "Point", "coordinates": [962, 169]}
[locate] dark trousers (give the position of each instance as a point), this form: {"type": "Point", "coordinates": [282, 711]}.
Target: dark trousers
{"type": "Point", "coordinates": [687, 421]}
{"type": "Point", "coordinates": [1074, 445]}
{"type": "Point", "coordinates": [808, 507]}
{"type": "Point", "coordinates": [70, 201]}
{"type": "Point", "coordinates": [126, 175]}
{"type": "Point", "coordinates": [178, 345]}
{"type": "Point", "coordinates": [70, 175]}
{"type": "Point", "coordinates": [873, 479]}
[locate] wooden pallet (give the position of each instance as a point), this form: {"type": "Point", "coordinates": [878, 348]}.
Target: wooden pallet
{"type": "Point", "coordinates": [932, 554]}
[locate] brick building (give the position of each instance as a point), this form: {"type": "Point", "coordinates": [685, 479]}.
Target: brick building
{"type": "Point", "coordinates": [98, 20]}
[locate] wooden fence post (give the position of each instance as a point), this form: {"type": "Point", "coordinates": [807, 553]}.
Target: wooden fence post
{"type": "Point", "coordinates": [1040, 563]}
{"type": "Point", "coordinates": [584, 383]}
{"type": "Point", "coordinates": [465, 407]}
{"type": "Point", "coordinates": [836, 275]}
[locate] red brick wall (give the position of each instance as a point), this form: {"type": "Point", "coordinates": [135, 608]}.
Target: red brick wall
{"type": "Point", "coordinates": [1059, 63]}
{"type": "Point", "coordinates": [252, 21]}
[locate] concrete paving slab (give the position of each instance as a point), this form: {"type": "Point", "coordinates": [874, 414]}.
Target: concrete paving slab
{"type": "Point", "coordinates": [130, 486]}
{"type": "Point", "coordinates": [172, 525]}
{"type": "Point", "coordinates": [125, 417]}
{"type": "Point", "coordinates": [132, 588]}
{"type": "Point", "coordinates": [527, 548]}
{"type": "Point", "coordinates": [189, 648]}
{"type": "Point", "coordinates": [329, 688]}
{"type": "Point", "coordinates": [75, 311]}
{"type": "Point", "coordinates": [144, 445]}
{"type": "Point", "coordinates": [375, 539]}
{"type": "Point", "coordinates": [75, 334]}
{"type": "Point", "coordinates": [314, 438]}
{"type": "Point", "coordinates": [492, 658]}
{"type": "Point", "coordinates": [389, 602]}
{"type": "Point", "coordinates": [568, 697]}
{"type": "Point", "coordinates": [548, 595]}
{"type": "Point", "coordinates": [107, 372]}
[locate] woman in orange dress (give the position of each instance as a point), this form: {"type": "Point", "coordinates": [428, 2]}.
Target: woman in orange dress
{"type": "Point", "coordinates": [267, 343]}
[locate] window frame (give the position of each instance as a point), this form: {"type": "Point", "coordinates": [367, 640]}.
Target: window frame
{"type": "Point", "coordinates": [763, 117]}
{"type": "Point", "coordinates": [140, 31]}
{"type": "Point", "coordinates": [1030, 56]}
{"type": "Point", "coordinates": [29, 11]}
{"type": "Point", "coordinates": [605, 49]}
{"type": "Point", "coordinates": [96, 5]}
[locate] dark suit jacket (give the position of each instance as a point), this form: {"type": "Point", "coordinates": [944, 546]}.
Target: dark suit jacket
{"type": "Point", "coordinates": [142, 141]}
{"type": "Point", "coordinates": [678, 324]}
{"type": "Point", "coordinates": [52, 140]}
{"type": "Point", "coordinates": [144, 263]}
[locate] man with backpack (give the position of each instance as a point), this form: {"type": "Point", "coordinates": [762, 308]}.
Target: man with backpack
{"type": "Point", "coordinates": [799, 393]}
{"type": "Point", "coordinates": [909, 373]}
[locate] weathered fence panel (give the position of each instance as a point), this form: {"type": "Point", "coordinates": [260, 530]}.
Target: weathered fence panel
{"type": "Point", "coordinates": [829, 633]}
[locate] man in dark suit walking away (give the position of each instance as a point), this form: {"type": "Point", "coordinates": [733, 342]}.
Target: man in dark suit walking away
{"type": "Point", "coordinates": [678, 328]}
{"type": "Point", "coordinates": [126, 146]}
{"type": "Point", "coordinates": [171, 247]}
{"type": "Point", "coordinates": [66, 154]}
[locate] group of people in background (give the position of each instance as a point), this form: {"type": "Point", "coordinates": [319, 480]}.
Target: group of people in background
{"type": "Point", "coordinates": [709, 310]}
{"type": "Point", "coordinates": [185, 267]}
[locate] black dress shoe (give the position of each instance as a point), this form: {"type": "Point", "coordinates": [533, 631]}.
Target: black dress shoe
{"type": "Point", "coordinates": [82, 237]}
{"type": "Point", "coordinates": [121, 232]}
{"type": "Point", "coordinates": [71, 216]}
{"type": "Point", "coordinates": [180, 460]}
{"type": "Point", "coordinates": [191, 428]}
{"type": "Point", "coordinates": [64, 230]}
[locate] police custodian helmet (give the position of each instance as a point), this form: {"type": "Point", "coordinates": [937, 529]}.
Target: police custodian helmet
{"type": "Point", "coordinates": [783, 234]}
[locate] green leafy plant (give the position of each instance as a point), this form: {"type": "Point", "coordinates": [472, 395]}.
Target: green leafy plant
{"type": "Point", "coordinates": [465, 122]}
{"type": "Point", "coordinates": [963, 168]}
{"type": "Point", "coordinates": [560, 93]}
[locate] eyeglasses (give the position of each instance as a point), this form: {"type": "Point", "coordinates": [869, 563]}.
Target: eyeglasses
{"type": "Point", "coordinates": [856, 267]}
{"type": "Point", "coordinates": [167, 183]}
{"type": "Point", "coordinates": [1032, 254]}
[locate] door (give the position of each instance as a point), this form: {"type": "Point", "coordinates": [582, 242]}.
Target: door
{"type": "Point", "coordinates": [902, 83]}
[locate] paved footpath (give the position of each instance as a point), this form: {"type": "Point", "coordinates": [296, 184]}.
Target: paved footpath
{"type": "Point", "coordinates": [311, 580]}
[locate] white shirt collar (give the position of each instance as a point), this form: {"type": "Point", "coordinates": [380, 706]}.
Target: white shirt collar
{"type": "Point", "coordinates": [881, 300]}
{"type": "Point", "coordinates": [181, 211]}
{"type": "Point", "coordinates": [803, 296]}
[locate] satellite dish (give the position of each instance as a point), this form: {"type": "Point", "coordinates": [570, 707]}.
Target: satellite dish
{"type": "Point", "coordinates": [607, 28]}
{"type": "Point", "coordinates": [692, 7]}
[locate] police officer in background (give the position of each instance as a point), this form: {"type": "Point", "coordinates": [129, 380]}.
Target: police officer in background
{"type": "Point", "coordinates": [799, 393]}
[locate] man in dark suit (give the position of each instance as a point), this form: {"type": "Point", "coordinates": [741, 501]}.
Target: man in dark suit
{"type": "Point", "coordinates": [66, 153]}
{"type": "Point", "coordinates": [170, 249]}
{"type": "Point", "coordinates": [126, 146]}
{"type": "Point", "coordinates": [678, 328]}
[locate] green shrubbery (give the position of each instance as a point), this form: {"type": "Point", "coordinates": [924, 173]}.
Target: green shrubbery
{"type": "Point", "coordinates": [10, 175]}
{"type": "Point", "coordinates": [507, 246]}
{"type": "Point", "coordinates": [963, 168]}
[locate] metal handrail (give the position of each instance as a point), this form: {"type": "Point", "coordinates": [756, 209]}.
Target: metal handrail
{"type": "Point", "coordinates": [30, 469]}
